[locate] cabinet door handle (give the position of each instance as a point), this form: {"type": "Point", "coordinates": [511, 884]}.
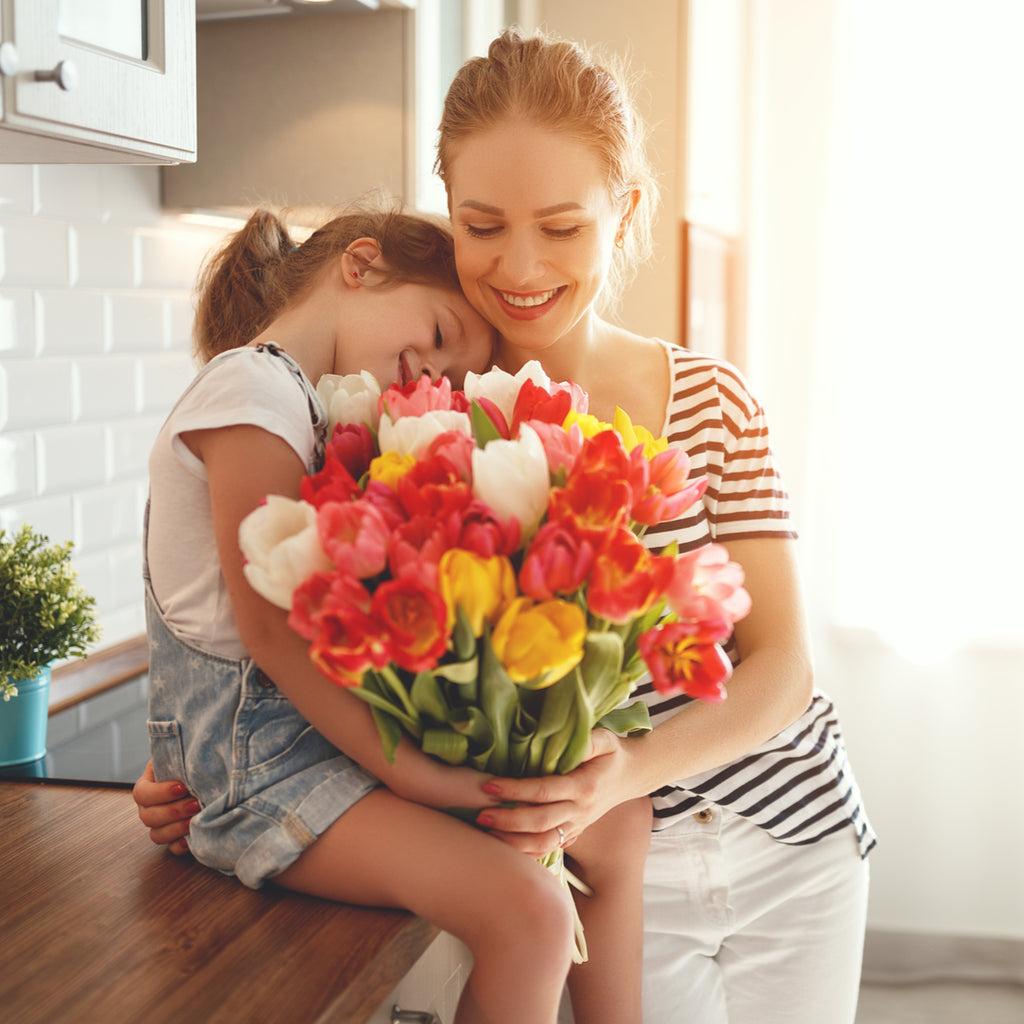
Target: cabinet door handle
{"type": "Point", "coordinates": [65, 74]}
{"type": "Point", "coordinates": [400, 1016]}
{"type": "Point", "coordinates": [8, 59]}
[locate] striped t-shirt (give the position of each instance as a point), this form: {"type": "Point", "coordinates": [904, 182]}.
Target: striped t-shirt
{"type": "Point", "coordinates": [799, 785]}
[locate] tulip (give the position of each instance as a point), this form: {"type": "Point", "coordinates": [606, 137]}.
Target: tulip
{"type": "Point", "coordinates": [686, 657]}
{"type": "Point", "coordinates": [667, 492]}
{"type": "Point", "coordinates": [389, 467]}
{"type": "Point", "coordinates": [503, 388]}
{"type": "Point", "coordinates": [626, 579]}
{"type": "Point", "coordinates": [634, 435]}
{"type": "Point", "coordinates": [355, 536]}
{"type": "Point", "coordinates": [561, 446]}
{"type": "Point", "coordinates": [481, 587]}
{"type": "Point", "coordinates": [512, 478]}
{"type": "Point", "coordinates": [417, 397]}
{"type": "Point", "coordinates": [477, 528]}
{"type": "Point", "coordinates": [412, 435]}
{"type": "Point", "coordinates": [413, 618]}
{"type": "Point", "coordinates": [279, 542]}
{"type": "Point", "coordinates": [416, 546]}
{"type": "Point", "coordinates": [351, 398]}
{"type": "Point", "coordinates": [706, 585]}
{"type": "Point", "coordinates": [349, 642]}
{"type": "Point", "coordinates": [433, 487]}
{"type": "Point", "coordinates": [539, 641]}
{"type": "Point", "coordinates": [557, 561]}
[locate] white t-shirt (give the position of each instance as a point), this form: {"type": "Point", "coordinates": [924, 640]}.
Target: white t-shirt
{"type": "Point", "coordinates": [254, 386]}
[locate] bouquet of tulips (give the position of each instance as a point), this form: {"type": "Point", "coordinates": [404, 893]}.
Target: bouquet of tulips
{"type": "Point", "coordinates": [470, 564]}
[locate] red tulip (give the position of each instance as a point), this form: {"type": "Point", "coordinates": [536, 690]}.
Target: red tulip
{"type": "Point", "coordinates": [414, 618]}
{"type": "Point", "coordinates": [626, 578]}
{"type": "Point", "coordinates": [685, 657]}
{"type": "Point", "coordinates": [557, 561]}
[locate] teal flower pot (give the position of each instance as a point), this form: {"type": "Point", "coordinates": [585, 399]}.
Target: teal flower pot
{"type": "Point", "coordinates": [23, 721]}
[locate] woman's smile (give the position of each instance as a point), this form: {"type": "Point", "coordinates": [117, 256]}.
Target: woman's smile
{"type": "Point", "coordinates": [528, 305]}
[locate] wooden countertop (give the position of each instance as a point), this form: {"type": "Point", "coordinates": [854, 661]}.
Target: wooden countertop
{"type": "Point", "coordinates": [98, 925]}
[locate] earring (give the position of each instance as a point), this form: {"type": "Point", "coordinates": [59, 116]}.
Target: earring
{"type": "Point", "coordinates": [620, 240]}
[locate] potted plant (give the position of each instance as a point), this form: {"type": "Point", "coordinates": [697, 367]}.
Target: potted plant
{"type": "Point", "coordinates": [44, 616]}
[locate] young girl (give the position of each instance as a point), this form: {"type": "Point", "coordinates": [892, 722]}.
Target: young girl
{"type": "Point", "coordinates": [232, 687]}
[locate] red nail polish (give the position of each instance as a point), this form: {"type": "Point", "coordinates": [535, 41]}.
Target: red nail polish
{"type": "Point", "coordinates": [491, 788]}
{"type": "Point", "coordinates": [192, 807]}
{"type": "Point", "coordinates": [179, 789]}
{"type": "Point", "coordinates": [486, 820]}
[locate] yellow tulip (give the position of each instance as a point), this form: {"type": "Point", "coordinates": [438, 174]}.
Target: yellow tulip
{"type": "Point", "coordinates": [482, 587]}
{"type": "Point", "coordinates": [590, 425]}
{"type": "Point", "coordinates": [539, 639]}
{"type": "Point", "coordinates": [389, 467]}
{"type": "Point", "coordinates": [633, 434]}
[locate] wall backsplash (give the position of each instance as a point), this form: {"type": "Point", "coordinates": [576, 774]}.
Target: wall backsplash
{"type": "Point", "coordinates": [95, 321]}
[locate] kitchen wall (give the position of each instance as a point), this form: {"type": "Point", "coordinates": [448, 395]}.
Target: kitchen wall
{"type": "Point", "coordinates": [95, 319]}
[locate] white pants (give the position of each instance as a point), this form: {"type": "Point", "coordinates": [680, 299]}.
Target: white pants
{"type": "Point", "coordinates": [742, 929]}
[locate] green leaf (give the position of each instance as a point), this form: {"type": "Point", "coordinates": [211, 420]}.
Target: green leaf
{"type": "Point", "coordinates": [461, 672]}
{"type": "Point", "coordinates": [445, 745]}
{"type": "Point", "coordinates": [463, 640]}
{"type": "Point", "coordinates": [634, 718]}
{"type": "Point", "coordinates": [559, 703]}
{"type": "Point", "coordinates": [578, 745]}
{"type": "Point", "coordinates": [498, 699]}
{"type": "Point", "coordinates": [373, 691]}
{"type": "Point", "coordinates": [484, 429]}
{"type": "Point", "coordinates": [600, 673]}
{"type": "Point", "coordinates": [428, 699]}
{"type": "Point", "coordinates": [473, 724]}
{"type": "Point", "coordinates": [390, 732]}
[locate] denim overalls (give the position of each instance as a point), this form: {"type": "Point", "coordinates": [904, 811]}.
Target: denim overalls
{"type": "Point", "coordinates": [268, 783]}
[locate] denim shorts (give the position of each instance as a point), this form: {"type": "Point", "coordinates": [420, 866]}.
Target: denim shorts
{"type": "Point", "coordinates": [267, 782]}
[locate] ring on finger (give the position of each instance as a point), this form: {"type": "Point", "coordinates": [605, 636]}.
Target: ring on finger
{"type": "Point", "coordinates": [561, 836]}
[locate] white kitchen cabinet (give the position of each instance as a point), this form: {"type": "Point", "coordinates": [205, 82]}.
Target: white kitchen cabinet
{"type": "Point", "coordinates": [97, 81]}
{"type": "Point", "coordinates": [432, 987]}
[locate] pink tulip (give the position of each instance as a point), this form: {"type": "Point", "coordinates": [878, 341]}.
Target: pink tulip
{"type": "Point", "coordinates": [355, 536]}
{"type": "Point", "coordinates": [706, 585]}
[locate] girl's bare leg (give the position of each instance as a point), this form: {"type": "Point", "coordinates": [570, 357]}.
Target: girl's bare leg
{"type": "Point", "coordinates": [610, 857]}
{"type": "Point", "coordinates": [509, 911]}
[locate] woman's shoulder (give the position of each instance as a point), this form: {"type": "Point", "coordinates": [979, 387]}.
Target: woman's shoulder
{"type": "Point", "coordinates": [695, 372]}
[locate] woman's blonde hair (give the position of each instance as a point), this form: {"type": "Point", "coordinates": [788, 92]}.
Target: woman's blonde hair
{"type": "Point", "coordinates": [560, 85]}
{"type": "Point", "coordinates": [260, 270]}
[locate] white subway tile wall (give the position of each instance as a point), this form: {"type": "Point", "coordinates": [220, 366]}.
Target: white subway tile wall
{"type": "Point", "coordinates": [95, 321]}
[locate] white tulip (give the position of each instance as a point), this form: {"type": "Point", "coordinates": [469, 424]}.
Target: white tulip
{"type": "Point", "coordinates": [503, 388]}
{"type": "Point", "coordinates": [411, 435]}
{"type": "Point", "coordinates": [349, 398]}
{"type": "Point", "coordinates": [511, 477]}
{"type": "Point", "coordinates": [281, 547]}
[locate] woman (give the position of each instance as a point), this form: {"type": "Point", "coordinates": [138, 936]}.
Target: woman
{"type": "Point", "coordinates": [756, 882]}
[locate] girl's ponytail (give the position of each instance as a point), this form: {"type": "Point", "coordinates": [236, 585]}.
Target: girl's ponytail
{"type": "Point", "coordinates": [237, 292]}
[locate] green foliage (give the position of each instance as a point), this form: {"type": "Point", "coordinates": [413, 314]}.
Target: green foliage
{"type": "Point", "coordinates": [44, 613]}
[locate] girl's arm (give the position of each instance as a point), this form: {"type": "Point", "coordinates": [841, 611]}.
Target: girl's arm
{"type": "Point", "coordinates": [769, 690]}
{"type": "Point", "coordinates": [244, 464]}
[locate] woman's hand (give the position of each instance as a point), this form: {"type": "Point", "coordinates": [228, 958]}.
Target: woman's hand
{"type": "Point", "coordinates": [165, 808]}
{"type": "Point", "coordinates": [570, 802]}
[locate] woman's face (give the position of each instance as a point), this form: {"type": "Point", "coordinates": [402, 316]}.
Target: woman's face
{"type": "Point", "coordinates": [400, 332]}
{"type": "Point", "coordinates": [534, 227]}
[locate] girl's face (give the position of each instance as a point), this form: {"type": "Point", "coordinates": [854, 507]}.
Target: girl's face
{"type": "Point", "coordinates": [400, 332]}
{"type": "Point", "coordinates": [535, 229]}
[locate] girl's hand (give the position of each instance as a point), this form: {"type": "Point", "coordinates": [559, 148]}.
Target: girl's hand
{"type": "Point", "coordinates": [165, 808]}
{"type": "Point", "coordinates": [422, 779]}
{"type": "Point", "coordinates": [570, 802]}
